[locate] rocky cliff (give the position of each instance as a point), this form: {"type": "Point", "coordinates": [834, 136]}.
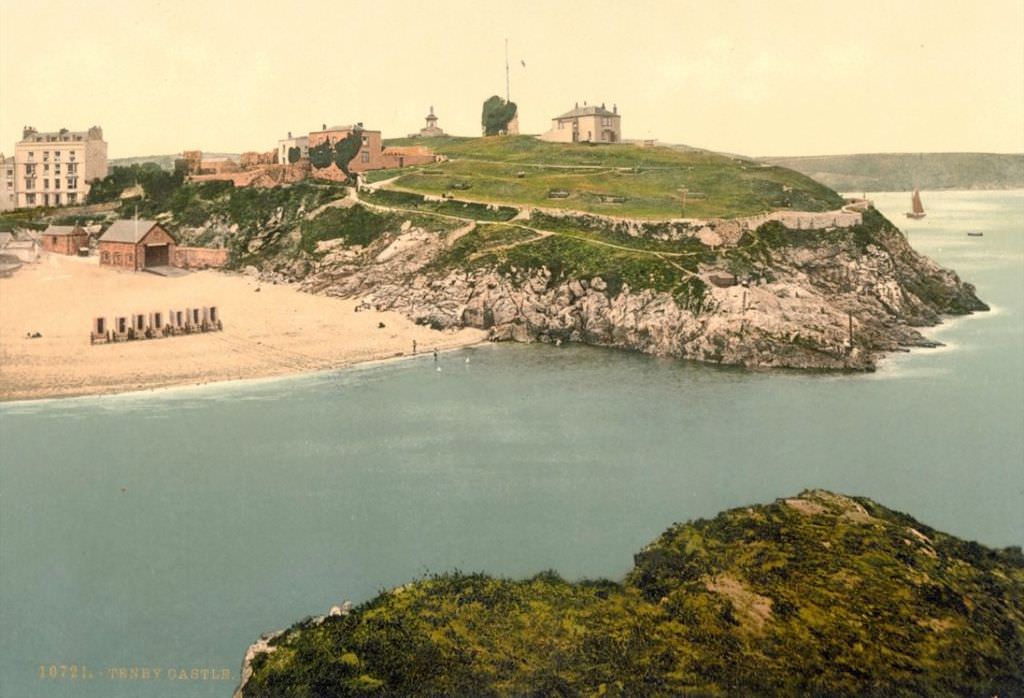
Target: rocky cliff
{"type": "Point", "coordinates": [818, 594]}
{"type": "Point", "coordinates": [829, 298]}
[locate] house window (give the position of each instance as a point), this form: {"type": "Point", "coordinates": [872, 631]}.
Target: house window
{"type": "Point", "coordinates": [366, 156]}
{"type": "Point", "coordinates": [561, 125]}
{"type": "Point", "coordinates": [366, 140]}
{"type": "Point", "coordinates": [72, 197]}
{"type": "Point", "coordinates": [105, 257]}
{"type": "Point", "coordinates": [129, 258]}
{"type": "Point", "coordinates": [117, 258]}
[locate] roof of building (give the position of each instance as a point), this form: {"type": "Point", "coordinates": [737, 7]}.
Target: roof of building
{"type": "Point", "coordinates": [62, 230]}
{"type": "Point", "coordinates": [33, 136]}
{"type": "Point", "coordinates": [127, 230]}
{"type": "Point", "coordinates": [587, 111]}
{"type": "Point", "coordinates": [349, 128]}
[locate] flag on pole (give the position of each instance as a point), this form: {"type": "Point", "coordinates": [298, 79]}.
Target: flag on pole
{"type": "Point", "coordinates": [523, 62]}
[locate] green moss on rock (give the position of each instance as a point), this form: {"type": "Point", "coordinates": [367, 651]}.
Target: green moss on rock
{"type": "Point", "coordinates": [820, 594]}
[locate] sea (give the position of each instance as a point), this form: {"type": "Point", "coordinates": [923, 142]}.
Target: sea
{"type": "Point", "coordinates": [147, 539]}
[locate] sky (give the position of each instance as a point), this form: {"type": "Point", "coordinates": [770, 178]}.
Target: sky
{"type": "Point", "coordinates": [785, 77]}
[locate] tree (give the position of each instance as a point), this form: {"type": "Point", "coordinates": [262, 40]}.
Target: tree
{"type": "Point", "coordinates": [497, 114]}
{"type": "Point", "coordinates": [321, 155]}
{"type": "Point", "coordinates": [346, 149]}
{"type": "Point", "coordinates": [294, 153]}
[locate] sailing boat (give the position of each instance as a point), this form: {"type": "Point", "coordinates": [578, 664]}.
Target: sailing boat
{"type": "Point", "coordinates": [917, 210]}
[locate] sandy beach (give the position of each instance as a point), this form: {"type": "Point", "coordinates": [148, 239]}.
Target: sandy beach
{"type": "Point", "coordinates": [273, 331]}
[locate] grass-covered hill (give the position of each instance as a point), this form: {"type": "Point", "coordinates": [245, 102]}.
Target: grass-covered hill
{"type": "Point", "coordinates": [817, 595]}
{"type": "Point", "coordinates": [618, 180]}
{"type": "Point", "coordinates": [904, 171]}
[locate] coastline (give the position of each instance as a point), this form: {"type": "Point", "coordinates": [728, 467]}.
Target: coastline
{"type": "Point", "coordinates": [270, 331]}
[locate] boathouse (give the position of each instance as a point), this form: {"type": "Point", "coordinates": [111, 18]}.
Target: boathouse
{"type": "Point", "coordinates": [136, 245]}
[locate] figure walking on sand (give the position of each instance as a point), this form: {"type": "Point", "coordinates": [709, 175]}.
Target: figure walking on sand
{"type": "Point", "coordinates": [414, 347]}
{"type": "Point", "coordinates": [435, 355]}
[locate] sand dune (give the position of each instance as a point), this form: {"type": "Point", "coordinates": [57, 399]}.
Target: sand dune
{"type": "Point", "coordinates": [274, 331]}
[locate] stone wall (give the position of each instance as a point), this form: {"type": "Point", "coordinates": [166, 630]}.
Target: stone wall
{"type": "Point", "coordinates": [200, 257]}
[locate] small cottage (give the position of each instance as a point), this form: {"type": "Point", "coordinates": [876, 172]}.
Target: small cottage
{"type": "Point", "coordinates": [65, 239]}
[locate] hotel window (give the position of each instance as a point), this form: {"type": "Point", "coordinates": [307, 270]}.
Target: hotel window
{"type": "Point", "coordinates": [56, 168]}
{"type": "Point", "coordinates": [30, 170]}
{"type": "Point", "coordinates": [46, 155]}
{"type": "Point", "coordinates": [56, 155]}
{"type": "Point", "coordinates": [46, 184]}
{"type": "Point", "coordinates": [46, 168]}
{"type": "Point", "coordinates": [31, 155]}
{"type": "Point", "coordinates": [30, 182]}
{"type": "Point", "coordinates": [72, 168]}
{"type": "Point", "coordinates": [72, 182]}
{"type": "Point", "coordinates": [72, 197]}
{"type": "Point", "coordinates": [56, 184]}
{"type": "Point", "coordinates": [30, 199]}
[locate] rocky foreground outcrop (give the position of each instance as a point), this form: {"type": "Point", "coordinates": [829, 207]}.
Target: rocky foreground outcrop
{"type": "Point", "coordinates": [817, 594]}
{"type": "Point", "coordinates": [811, 299]}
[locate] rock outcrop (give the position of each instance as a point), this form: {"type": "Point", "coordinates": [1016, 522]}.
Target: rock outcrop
{"type": "Point", "coordinates": [828, 299]}
{"type": "Point", "coordinates": [818, 594]}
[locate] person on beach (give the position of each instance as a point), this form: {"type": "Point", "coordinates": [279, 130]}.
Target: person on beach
{"type": "Point", "coordinates": [435, 355]}
{"type": "Point", "coordinates": [414, 347]}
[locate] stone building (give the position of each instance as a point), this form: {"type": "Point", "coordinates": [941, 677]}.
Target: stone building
{"type": "Point", "coordinates": [65, 239]}
{"type": "Point", "coordinates": [369, 157]}
{"type": "Point", "coordinates": [407, 155]}
{"type": "Point", "coordinates": [251, 160]}
{"type": "Point", "coordinates": [285, 145]}
{"type": "Point", "coordinates": [54, 168]}
{"type": "Point", "coordinates": [586, 124]}
{"type": "Point", "coordinates": [431, 130]}
{"type": "Point", "coordinates": [136, 244]}
{"type": "Point", "coordinates": [8, 199]}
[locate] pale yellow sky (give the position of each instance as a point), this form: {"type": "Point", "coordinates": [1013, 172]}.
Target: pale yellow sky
{"type": "Point", "coordinates": [785, 77]}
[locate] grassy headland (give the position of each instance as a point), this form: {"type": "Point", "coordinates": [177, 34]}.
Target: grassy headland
{"type": "Point", "coordinates": [820, 594]}
{"type": "Point", "coordinates": [617, 180]}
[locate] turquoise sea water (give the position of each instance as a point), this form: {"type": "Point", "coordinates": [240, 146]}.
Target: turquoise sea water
{"type": "Point", "coordinates": [168, 530]}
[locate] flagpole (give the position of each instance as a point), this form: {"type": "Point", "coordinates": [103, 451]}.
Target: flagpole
{"type": "Point", "coordinates": [508, 92]}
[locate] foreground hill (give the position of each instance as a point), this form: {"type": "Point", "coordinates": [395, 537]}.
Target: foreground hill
{"type": "Point", "coordinates": [904, 171]}
{"type": "Point", "coordinates": [820, 594]}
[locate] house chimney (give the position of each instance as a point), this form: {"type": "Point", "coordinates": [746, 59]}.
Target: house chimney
{"type": "Point", "coordinates": [602, 105]}
{"type": "Point", "coordinates": [289, 134]}
{"type": "Point", "coordinates": [324, 127]}
{"type": "Point", "coordinates": [615, 109]}
{"type": "Point", "coordinates": [577, 105]}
